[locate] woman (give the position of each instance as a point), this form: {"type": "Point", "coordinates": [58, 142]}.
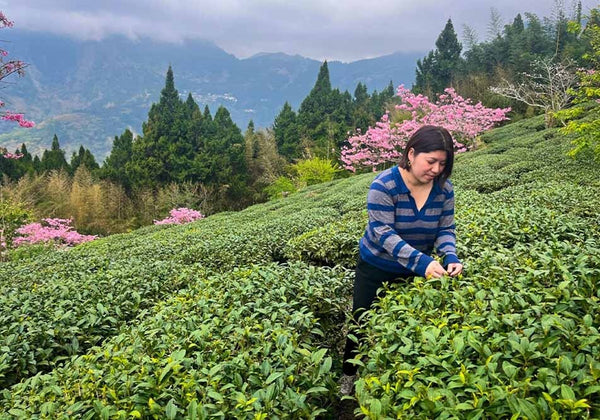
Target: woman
{"type": "Point", "coordinates": [411, 214]}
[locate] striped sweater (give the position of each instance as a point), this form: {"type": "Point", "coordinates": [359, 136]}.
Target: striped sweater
{"type": "Point", "coordinates": [399, 238]}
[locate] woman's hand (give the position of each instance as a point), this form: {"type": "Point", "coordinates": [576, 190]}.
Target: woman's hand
{"type": "Point", "coordinates": [454, 269]}
{"type": "Point", "coordinates": [435, 270]}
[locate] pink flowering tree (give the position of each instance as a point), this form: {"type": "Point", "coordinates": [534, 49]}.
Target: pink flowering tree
{"type": "Point", "coordinates": [53, 231]}
{"type": "Point", "coordinates": [180, 216]}
{"type": "Point", "coordinates": [383, 144]}
{"type": "Point", "coordinates": [7, 68]}
{"type": "Point", "coordinates": [7, 155]}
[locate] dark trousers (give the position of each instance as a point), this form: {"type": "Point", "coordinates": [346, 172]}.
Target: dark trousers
{"type": "Point", "coordinates": [368, 279]}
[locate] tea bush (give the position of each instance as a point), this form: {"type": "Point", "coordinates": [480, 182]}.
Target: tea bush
{"type": "Point", "coordinates": [519, 340]}
{"type": "Point", "coordinates": [175, 322]}
{"type": "Point", "coordinates": [247, 344]}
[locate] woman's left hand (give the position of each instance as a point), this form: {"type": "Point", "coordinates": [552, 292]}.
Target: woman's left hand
{"type": "Point", "coordinates": [454, 269]}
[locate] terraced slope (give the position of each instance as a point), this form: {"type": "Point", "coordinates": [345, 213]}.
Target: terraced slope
{"type": "Point", "coordinates": [241, 315]}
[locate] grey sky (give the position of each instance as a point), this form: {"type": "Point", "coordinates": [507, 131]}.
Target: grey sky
{"type": "Point", "coordinates": [344, 30]}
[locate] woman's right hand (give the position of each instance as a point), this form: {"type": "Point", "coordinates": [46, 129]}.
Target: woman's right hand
{"type": "Point", "coordinates": [435, 270]}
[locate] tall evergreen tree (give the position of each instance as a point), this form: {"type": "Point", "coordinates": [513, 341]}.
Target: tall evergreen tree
{"type": "Point", "coordinates": [153, 160]}
{"type": "Point", "coordinates": [224, 158]}
{"type": "Point", "coordinates": [287, 136]}
{"type": "Point", "coordinates": [114, 167]}
{"type": "Point", "coordinates": [26, 162]}
{"type": "Point", "coordinates": [84, 157]}
{"type": "Point", "coordinates": [54, 159]}
{"type": "Point", "coordinates": [317, 103]}
{"type": "Point", "coordinates": [437, 70]}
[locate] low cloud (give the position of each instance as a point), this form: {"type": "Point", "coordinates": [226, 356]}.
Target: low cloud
{"type": "Point", "coordinates": [321, 29]}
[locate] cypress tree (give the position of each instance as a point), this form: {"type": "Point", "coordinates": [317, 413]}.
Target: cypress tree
{"type": "Point", "coordinates": [114, 167]}
{"type": "Point", "coordinates": [285, 130]}
{"type": "Point", "coordinates": [153, 160]}
{"type": "Point", "coordinates": [436, 71]}
{"type": "Point", "coordinates": [54, 159]}
{"type": "Point", "coordinates": [318, 102]}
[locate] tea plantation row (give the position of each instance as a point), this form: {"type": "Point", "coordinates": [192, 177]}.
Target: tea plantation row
{"type": "Point", "coordinates": [238, 315]}
{"type": "Point", "coordinates": [516, 336]}
{"type": "Point", "coordinates": [62, 304]}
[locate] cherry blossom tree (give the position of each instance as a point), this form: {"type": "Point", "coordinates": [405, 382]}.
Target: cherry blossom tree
{"type": "Point", "coordinates": [57, 231]}
{"type": "Point", "coordinates": [7, 68]}
{"type": "Point", "coordinates": [180, 216]}
{"type": "Point", "coordinates": [383, 144]}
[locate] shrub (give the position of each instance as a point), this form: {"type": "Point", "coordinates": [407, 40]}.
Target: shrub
{"type": "Point", "coordinates": [280, 188]}
{"type": "Point", "coordinates": [314, 171]}
{"type": "Point", "coordinates": [58, 231]}
{"type": "Point", "coordinates": [180, 216]}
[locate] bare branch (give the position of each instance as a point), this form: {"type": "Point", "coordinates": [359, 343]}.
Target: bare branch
{"type": "Point", "coordinates": [548, 86]}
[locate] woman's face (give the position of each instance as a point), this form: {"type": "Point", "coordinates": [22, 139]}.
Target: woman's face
{"type": "Point", "coordinates": [426, 166]}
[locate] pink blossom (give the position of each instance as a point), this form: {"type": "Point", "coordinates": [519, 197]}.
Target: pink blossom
{"type": "Point", "coordinates": [58, 231]}
{"type": "Point", "coordinates": [4, 22]}
{"type": "Point", "coordinates": [180, 216]}
{"type": "Point", "coordinates": [19, 118]}
{"type": "Point", "coordinates": [15, 156]}
{"type": "Point", "coordinates": [385, 142]}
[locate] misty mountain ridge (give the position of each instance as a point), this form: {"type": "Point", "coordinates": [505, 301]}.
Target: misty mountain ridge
{"type": "Point", "coordinates": [87, 92]}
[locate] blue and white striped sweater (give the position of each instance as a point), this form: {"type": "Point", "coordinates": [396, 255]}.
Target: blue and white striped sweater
{"type": "Point", "coordinates": [399, 238]}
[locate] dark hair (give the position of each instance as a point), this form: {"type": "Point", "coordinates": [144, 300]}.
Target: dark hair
{"type": "Point", "coordinates": [431, 138]}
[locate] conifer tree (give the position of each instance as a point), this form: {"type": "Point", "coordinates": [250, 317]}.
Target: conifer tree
{"type": "Point", "coordinates": [152, 154]}
{"type": "Point", "coordinates": [84, 157]}
{"type": "Point", "coordinates": [287, 136]}
{"type": "Point", "coordinates": [53, 159]}
{"type": "Point", "coordinates": [317, 103]}
{"type": "Point", "coordinates": [436, 71]}
{"type": "Point", "coordinates": [114, 167]}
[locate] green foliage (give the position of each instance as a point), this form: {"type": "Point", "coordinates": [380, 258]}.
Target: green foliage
{"type": "Point", "coordinates": [83, 158]}
{"type": "Point", "coordinates": [287, 134]}
{"type": "Point", "coordinates": [585, 131]}
{"type": "Point", "coordinates": [334, 243]}
{"type": "Point", "coordinates": [282, 187]}
{"type": "Point", "coordinates": [437, 70]}
{"type": "Point", "coordinates": [325, 118]}
{"type": "Point", "coordinates": [53, 159]}
{"type": "Point", "coordinates": [219, 318]}
{"type": "Point", "coordinates": [29, 252]}
{"type": "Point", "coordinates": [236, 346]}
{"type": "Point", "coordinates": [114, 166]}
{"type": "Point", "coordinates": [314, 171]}
{"type": "Point", "coordinates": [12, 216]}
{"type": "Point", "coordinates": [508, 54]}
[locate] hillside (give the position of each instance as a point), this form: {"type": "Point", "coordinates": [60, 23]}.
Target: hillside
{"type": "Point", "coordinates": [242, 315]}
{"type": "Point", "coordinates": [87, 92]}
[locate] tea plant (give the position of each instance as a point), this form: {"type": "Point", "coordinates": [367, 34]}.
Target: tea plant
{"type": "Point", "coordinates": [247, 344]}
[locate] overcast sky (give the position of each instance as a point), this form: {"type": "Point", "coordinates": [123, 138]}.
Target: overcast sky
{"type": "Point", "coordinates": [345, 30]}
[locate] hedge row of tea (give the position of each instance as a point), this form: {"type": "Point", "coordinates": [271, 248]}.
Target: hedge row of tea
{"type": "Point", "coordinates": [517, 335]}
{"type": "Point", "coordinates": [64, 303]}
{"type": "Point", "coordinates": [239, 316]}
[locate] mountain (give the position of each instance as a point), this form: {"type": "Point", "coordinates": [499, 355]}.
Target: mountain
{"type": "Point", "coordinates": [87, 92]}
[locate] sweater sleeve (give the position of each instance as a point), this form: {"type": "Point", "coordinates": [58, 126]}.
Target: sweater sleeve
{"type": "Point", "coordinates": [382, 213]}
{"type": "Point", "coordinates": [445, 241]}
